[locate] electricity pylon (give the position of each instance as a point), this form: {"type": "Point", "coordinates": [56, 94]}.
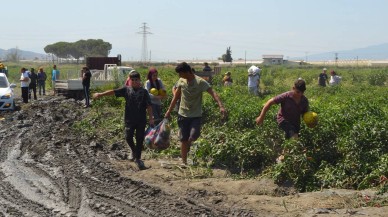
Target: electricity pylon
{"type": "Point", "coordinates": [144, 51]}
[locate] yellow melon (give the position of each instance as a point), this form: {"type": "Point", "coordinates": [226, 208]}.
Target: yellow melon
{"type": "Point", "coordinates": [310, 119]}
{"type": "Point", "coordinates": [154, 91]}
{"type": "Point", "coordinates": [162, 92]}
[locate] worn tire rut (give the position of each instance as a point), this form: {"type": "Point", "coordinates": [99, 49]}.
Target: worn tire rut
{"type": "Point", "coordinates": [48, 170]}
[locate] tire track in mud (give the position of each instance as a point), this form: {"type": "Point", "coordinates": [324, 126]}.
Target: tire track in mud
{"type": "Point", "coordinates": [60, 174]}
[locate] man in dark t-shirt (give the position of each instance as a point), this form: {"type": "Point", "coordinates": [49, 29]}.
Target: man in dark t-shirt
{"type": "Point", "coordinates": [86, 75]}
{"type": "Point", "coordinates": [137, 105]}
{"type": "Point", "coordinates": [322, 78]}
{"type": "Point", "coordinates": [207, 68]}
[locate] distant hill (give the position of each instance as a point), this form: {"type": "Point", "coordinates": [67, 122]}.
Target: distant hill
{"type": "Point", "coordinates": [24, 55]}
{"type": "Point", "coordinates": [375, 52]}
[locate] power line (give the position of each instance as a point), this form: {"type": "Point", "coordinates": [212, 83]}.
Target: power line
{"type": "Point", "coordinates": [144, 51]}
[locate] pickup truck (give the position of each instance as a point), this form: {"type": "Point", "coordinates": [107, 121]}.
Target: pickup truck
{"type": "Point", "coordinates": [112, 74]}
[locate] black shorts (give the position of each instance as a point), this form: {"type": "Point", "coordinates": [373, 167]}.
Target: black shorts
{"type": "Point", "coordinates": [189, 128]}
{"type": "Point", "coordinates": [289, 129]}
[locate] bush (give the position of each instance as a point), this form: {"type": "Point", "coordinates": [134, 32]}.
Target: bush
{"type": "Point", "coordinates": [377, 79]}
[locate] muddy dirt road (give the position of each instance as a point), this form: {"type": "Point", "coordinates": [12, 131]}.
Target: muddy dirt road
{"type": "Point", "coordinates": [48, 170]}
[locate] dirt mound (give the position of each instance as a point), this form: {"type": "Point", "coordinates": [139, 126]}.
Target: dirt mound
{"type": "Point", "coordinates": [47, 169]}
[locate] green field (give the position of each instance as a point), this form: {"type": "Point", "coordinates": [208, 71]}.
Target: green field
{"type": "Point", "coordinates": [348, 149]}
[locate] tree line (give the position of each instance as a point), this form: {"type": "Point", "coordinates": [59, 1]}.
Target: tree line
{"type": "Point", "coordinates": [87, 48]}
{"type": "Point", "coordinates": [78, 49]}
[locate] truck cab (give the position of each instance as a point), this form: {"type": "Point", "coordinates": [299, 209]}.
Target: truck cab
{"type": "Point", "coordinates": [121, 71]}
{"type": "Point", "coordinates": [112, 72]}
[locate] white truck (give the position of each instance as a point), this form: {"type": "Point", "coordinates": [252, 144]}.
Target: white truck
{"type": "Point", "coordinates": [112, 74]}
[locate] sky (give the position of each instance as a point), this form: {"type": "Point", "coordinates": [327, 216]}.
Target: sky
{"type": "Point", "coordinates": [198, 29]}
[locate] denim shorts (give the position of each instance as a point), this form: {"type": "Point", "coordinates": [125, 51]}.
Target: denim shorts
{"type": "Point", "coordinates": [189, 128]}
{"type": "Point", "coordinates": [289, 129]}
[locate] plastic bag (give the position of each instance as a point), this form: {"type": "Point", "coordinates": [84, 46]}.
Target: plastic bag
{"type": "Point", "coordinates": [162, 140]}
{"type": "Point", "coordinates": [150, 136]}
{"type": "Point", "coordinates": [159, 136]}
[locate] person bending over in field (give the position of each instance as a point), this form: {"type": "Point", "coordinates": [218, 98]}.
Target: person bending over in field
{"type": "Point", "coordinates": [189, 89]}
{"type": "Point", "coordinates": [293, 104]}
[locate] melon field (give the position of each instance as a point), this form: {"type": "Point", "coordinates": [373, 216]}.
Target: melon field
{"type": "Point", "coordinates": [348, 148]}
{"type": "Point", "coordinates": [60, 159]}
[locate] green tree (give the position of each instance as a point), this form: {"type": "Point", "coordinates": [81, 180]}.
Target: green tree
{"type": "Point", "coordinates": [59, 49]}
{"type": "Point", "coordinates": [75, 52]}
{"type": "Point", "coordinates": [81, 48]}
{"type": "Point", "coordinates": [93, 47]}
{"type": "Point", "coordinates": [228, 56]}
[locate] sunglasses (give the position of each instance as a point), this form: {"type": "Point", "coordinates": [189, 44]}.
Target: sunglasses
{"type": "Point", "coordinates": [135, 79]}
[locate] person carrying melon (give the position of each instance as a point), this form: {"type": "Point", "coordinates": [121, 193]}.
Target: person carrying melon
{"type": "Point", "coordinates": [293, 105]}
{"type": "Point", "coordinates": [155, 87]}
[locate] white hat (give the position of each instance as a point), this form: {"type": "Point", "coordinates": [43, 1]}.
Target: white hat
{"type": "Point", "coordinates": [324, 69]}
{"type": "Point", "coordinates": [253, 70]}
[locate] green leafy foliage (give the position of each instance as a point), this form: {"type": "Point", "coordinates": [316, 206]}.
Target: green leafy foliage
{"type": "Point", "coordinates": [348, 148]}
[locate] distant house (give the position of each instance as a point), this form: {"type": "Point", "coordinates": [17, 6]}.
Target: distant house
{"type": "Point", "coordinates": [273, 59]}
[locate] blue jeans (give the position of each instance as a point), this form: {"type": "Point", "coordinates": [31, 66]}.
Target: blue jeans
{"type": "Point", "coordinates": [87, 96]}
{"type": "Point", "coordinates": [42, 86]}
{"type": "Point", "coordinates": [157, 112]}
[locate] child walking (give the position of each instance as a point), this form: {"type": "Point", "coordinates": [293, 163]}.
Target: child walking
{"type": "Point", "coordinates": [138, 104]}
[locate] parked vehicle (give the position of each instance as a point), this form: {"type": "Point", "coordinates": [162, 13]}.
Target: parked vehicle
{"type": "Point", "coordinates": [99, 62]}
{"type": "Point", "coordinates": [7, 99]}
{"type": "Point", "coordinates": [111, 74]}
{"type": "Point", "coordinates": [3, 69]}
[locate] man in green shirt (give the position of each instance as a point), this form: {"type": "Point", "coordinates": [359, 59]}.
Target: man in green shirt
{"type": "Point", "coordinates": [189, 91]}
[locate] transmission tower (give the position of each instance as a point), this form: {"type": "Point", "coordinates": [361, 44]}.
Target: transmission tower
{"type": "Point", "coordinates": [144, 31]}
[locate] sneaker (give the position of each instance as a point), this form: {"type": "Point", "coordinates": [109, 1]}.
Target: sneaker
{"type": "Point", "coordinates": [131, 158]}
{"type": "Point", "coordinates": [190, 162]}
{"type": "Point", "coordinates": [140, 164]}
{"type": "Point", "coordinates": [280, 159]}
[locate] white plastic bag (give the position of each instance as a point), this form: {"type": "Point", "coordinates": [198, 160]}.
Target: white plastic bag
{"type": "Point", "coordinates": [162, 140]}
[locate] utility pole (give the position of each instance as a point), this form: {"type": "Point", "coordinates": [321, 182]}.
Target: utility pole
{"type": "Point", "coordinates": [306, 55]}
{"type": "Point", "coordinates": [245, 58]}
{"type": "Point", "coordinates": [357, 61]}
{"type": "Point", "coordinates": [144, 51]}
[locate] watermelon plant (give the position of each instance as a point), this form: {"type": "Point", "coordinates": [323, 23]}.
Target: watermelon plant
{"type": "Point", "coordinates": [347, 149]}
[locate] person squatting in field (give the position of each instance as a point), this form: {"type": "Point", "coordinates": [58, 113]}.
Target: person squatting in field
{"type": "Point", "coordinates": [189, 89]}
{"type": "Point", "coordinates": [227, 80]}
{"type": "Point", "coordinates": [293, 104]}
{"type": "Point", "coordinates": [334, 78]}
{"type": "Point", "coordinates": [137, 105]}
